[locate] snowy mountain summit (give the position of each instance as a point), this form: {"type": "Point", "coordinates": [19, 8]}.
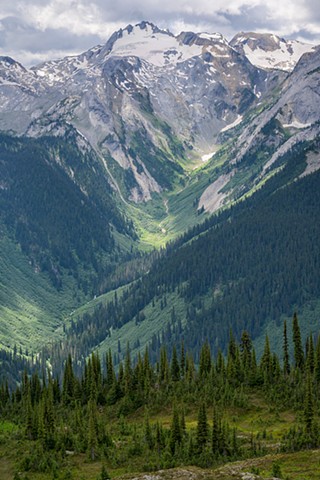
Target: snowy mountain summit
{"type": "Point", "coordinates": [149, 101]}
{"type": "Point", "coordinates": [265, 50]}
{"type": "Point", "coordinates": [161, 47]}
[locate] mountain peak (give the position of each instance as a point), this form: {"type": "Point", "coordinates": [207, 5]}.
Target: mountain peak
{"type": "Point", "coordinates": [268, 51]}
{"type": "Point", "coordinates": [147, 27]}
{"type": "Point", "coordinates": [9, 62]}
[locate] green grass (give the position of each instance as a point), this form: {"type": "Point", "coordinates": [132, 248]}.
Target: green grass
{"type": "Point", "coordinates": [138, 336]}
{"type": "Point", "coordinates": [31, 309]}
{"type": "Point", "coordinates": [255, 417]}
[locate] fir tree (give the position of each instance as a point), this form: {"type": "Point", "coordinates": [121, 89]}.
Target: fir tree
{"type": "Point", "coordinates": [245, 348]}
{"type": "Point", "coordinates": [175, 431]}
{"type": "Point", "coordinates": [175, 368]}
{"type": "Point", "coordinates": [286, 360]}
{"type": "Point", "coordinates": [317, 362]}
{"type": "Point", "coordinates": [310, 356]}
{"type": "Point", "coordinates": [182, 359]}
{"type": "Point", "coordinates": [92, 443]}
{"type": "Point", "coordinates": [308, 406]}
{"type": "Point", "coordinates": [298, 350]}
{"type": "Point", "coordinates": [202, 428]}
{"type": "Point", "coordinates": [205, 360]}
{"type": "Point", "coordinates": [68, 384]}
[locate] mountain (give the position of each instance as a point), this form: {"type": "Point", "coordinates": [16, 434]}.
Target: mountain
{"type": "Point", "coordinates": [268, 51]}
{"type": "Point", "coordinates": [125, 147]}
{"type": "Point", "coordinates": [262, 144]}
{"type": "Point", "coordinates": [146, 100]}
{"type": "Point", "coordinates": [58, 239]}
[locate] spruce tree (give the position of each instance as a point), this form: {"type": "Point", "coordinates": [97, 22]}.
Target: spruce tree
{"type": "Point", "coordinates": [202, 428]}
{"type": "Point", "coordinates": [110, 374]}
{"type": "Point", "coordinates": [245, 348]}
{"type": "Point", "coordinates": [286, 360]}
{"type": "Point", "coordinates": [310, 356]}
{"type": "Point", "coordinates": [266, 361]}
{"type": "Point", "coordinates": [317, 362]}
{"type": "Point", "coordinates": [205, 360]}
{"type": "Point", "coordinates": [148, 433]}
{"type": "Point", "coordinates": [215, 433]}
{"type": "Point", "coordinates": [68, 384]}
{"type": "Point", "coordinates": [175, 431]}
{"type": "Point", "coordinates": [298, 350]}
{"type": "Point", "coordinates": [308, 405]}
{"type": "Point", "coordinates": [182, 359]}
{"type": "Point", "coordinates": [175, 368]}
{"type": "Point", "coordinates": [92, 443]}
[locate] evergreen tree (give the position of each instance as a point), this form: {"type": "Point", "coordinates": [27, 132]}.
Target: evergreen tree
{"type": "Point", "coordinates": [286, 360]}
{"type": "Point", "coordinates": [310, 361]}
{"type": "Point", "coordinates": [164, 366]}
{"type": "Point", "coordinates": [205, 360]}
{"type": "Point", "coordinates": [202, 428]}
{"type": "Point", "coordinates": [68, 385]}
{"type": "Point", "coordinates": [104, 475]}
{"type": "Point", "coordinates": [245, 348]}
{"type": "Point", "coordinates": [298, 350]}
{"type": "Point", "coordinates": [317, 362]}
{"type": "Point", "coordinates": [182, 359]}
{"type": "Point", "coordinates": [216, 433]}
{"type": "Point", "coordinates": [175, 431]}
{"type": "Point", "coordinates": [110, 374]}
{"type": "Point", "coordinates": [266, 361]}
{"type": "Point", "coordinates": [308, 406]}
{"type": "Point", "coordinates": [92, 443]}
{"type": "Point", "coordinates": [175, 368]}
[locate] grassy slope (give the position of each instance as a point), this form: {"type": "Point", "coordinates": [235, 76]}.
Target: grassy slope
{"type": "Point", "coordinates": [31, 309]}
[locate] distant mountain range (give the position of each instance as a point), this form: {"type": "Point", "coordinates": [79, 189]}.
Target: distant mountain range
{"type": "Point", "coordinates": [130, 144]}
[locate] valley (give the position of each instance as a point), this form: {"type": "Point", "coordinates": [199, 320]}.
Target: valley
{"type": "Point", "coordinates": [159, 196]}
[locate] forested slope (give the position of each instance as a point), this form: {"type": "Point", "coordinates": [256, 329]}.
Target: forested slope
{"type": "Point", "coordinates": [256, 262]}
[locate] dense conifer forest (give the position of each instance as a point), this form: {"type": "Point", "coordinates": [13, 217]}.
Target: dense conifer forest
{"type": "Point", "coordinates": [46, 208]}
{"type": "Point", "coordinates": [146, 416]}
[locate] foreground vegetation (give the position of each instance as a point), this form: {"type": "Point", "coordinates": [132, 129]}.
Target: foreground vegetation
{"type": "Point", "coordinates": [149, 417]}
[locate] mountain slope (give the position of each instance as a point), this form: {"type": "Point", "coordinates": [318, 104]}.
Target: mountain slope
{"type": "Point", "coordinates": [248, 267]}
{"type": "Point", "coordinates": [262, 143]}
{"type": "Point", "coordinates": [57, 238]}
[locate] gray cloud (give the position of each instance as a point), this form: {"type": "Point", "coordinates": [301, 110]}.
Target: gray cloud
{"type": "Point", "coordinates": [35, 30]}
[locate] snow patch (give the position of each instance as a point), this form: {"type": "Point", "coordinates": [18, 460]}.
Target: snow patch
{"type": "Point", "coordinates": [234, 124]}
{"type": "Point", "coordinates": [296, 124]}
{"type": "Point", "coordinates": [207, 156]}
{"type": "Point", "coordinates": [283, 58]}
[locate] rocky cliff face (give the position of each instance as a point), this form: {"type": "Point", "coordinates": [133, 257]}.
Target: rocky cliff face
{"type": "Point", "coordinates": [265, 142]}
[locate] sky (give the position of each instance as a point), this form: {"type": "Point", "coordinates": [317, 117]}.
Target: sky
{"type": "Point", "coordinates": [32, 31]}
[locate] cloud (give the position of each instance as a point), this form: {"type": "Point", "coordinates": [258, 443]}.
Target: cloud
{"type": "Point", "coordinates": [35, 30]}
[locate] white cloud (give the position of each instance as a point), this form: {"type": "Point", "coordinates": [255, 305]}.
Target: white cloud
{"type": "Point", "coordinates": [33, 29]}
